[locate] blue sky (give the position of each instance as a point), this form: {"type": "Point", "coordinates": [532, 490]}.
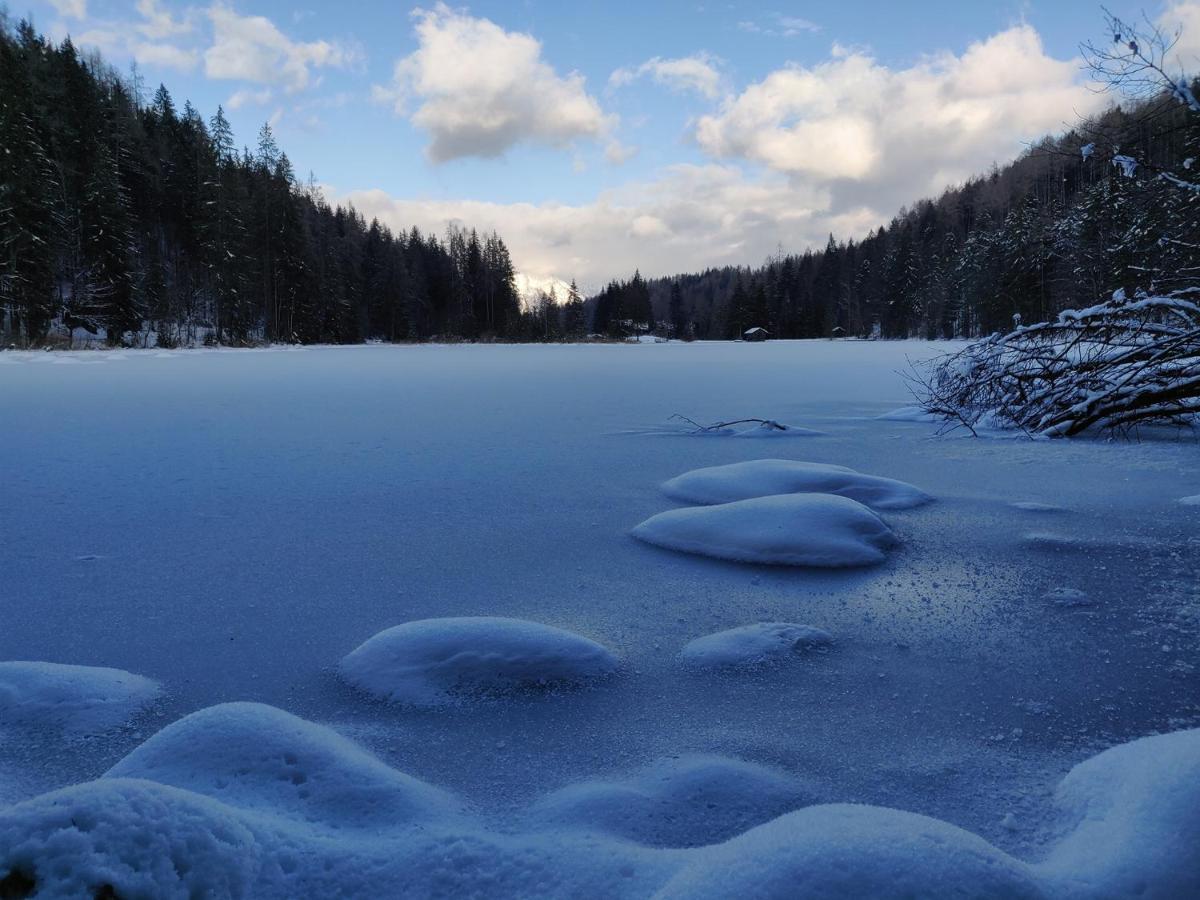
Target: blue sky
{"type": "Point", "coordinates": [600, 137]}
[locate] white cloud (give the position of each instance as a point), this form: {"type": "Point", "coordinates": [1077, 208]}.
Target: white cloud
{"type": "Point", "coordinates": [252, 48]}
{"type": "Point", "coordinates": [159, 23]}
{"type": "Point", "coordinates": [902, 132]}
{"type": "Point", "coordinates": [480, 89]}
{"type": "Point", "coordinates": [71, 9]}
{"type": "Point", "coordinates": [697, 73]}
{"type": "Point", "coordinates": [688, 218]}
{"type": "Point", "coordinates": [165, 56]}
{"type": "Point", "coordinates": [780, 26]}
{"type": "Point", "coordinates": [246, 97]}
{"type": "Point", "coordinates": [1185, 18]}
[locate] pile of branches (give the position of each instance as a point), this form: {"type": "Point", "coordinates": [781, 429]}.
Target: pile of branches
{"type": "Point", "coordinates": [1109, 367]}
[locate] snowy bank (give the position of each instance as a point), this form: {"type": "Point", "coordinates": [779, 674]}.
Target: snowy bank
{"type": "Point", "coordinates": [792, 529]}
{"type": "Point", "coordinates": [433, 662]}
{"type": "Point", "coordinates": [753, 645]}
{"type": "Point", "coordinates": [765, 477]}
{"type": "Point", "coordinates": [78, 699]}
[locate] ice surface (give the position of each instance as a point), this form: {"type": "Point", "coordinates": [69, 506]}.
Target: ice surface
{"type": "Point", "coordinates": [764, 477]}
{"type": "Point", "coordinates": [77, 699]}
{"type": "Point", "coordinates": [1193, 500]}
{"type": "Point", "coordinates": [1067, 597]}
{"type": "Point", "coordinates": [910, 414]}
{"type": "Point", "coordinates": [789, 530]}
{"type": "Point", "coordinates": [752, 645]}
{"type": "Point", "coordinates": [438, 661]}
{"type": "Point", "coordinates": [252, 516]}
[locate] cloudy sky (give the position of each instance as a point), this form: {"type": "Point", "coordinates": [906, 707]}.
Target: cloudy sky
{"type": "Point", "coordinates": [600, 137]}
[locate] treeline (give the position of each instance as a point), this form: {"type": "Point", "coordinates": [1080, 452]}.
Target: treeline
{"type": "Point", "coordinates": [143, 223]}
{"type": "Point", "coordinates": [1069, 222]}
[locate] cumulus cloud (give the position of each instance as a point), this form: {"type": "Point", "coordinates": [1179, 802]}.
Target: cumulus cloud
{"type": "Point", "coordinates": [688, 218]}
{"type": "Point", "coordinates": [906, 132]}
{"type": "Point", "coordinates": [1183, 17]}
{"type": "Point", "coordinates": [252, 48]}
{"type": "Point", "coordinates": [479, 90]}
{"type": "Point", "coordinates": [71, 9]}
{"type": "Point", "coordinates": [697, 73]}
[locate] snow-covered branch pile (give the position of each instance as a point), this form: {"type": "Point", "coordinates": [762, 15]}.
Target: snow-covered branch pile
{"type": "Point", "coordinates": [1111, 366]}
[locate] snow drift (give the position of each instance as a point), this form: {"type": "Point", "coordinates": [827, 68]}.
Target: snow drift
{"type": "Point", "coordinates": [765, 477]}
{"type": "Point", "coordinates": [753, 645]}
{"type": "Point", "coordinates": [77, 699]}
{"type": "Point", "coordinates": [211, 813]}
{"type": "Point", "coordinates": [432, 662]}
{"type": "Point", "coordinates": [791, 529]}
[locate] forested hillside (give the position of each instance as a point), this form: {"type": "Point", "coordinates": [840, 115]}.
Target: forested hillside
{"type": "Point", "coordinates": [140, 222]}
{"type": "Point", "coordinates": [1066, 224]}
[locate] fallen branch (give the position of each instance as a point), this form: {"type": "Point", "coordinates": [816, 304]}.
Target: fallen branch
{"type": "Point", "coordinates": [721, 426]}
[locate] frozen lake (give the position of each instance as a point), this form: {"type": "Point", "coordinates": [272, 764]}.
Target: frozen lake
{"type": "Point", "coordinates": [233, 523]}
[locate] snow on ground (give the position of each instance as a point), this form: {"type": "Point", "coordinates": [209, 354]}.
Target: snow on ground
{"type": "Point", "coordinates": [787, 530]}
{"type": "Point", "coordinates": [438, 661]}
{"type": "Point", "coordinates": [753, 645]}
{"type": "Point", "coordinates": [232, 523]}
{"type": "Point", "coordinates": [76, 699]}
{"type": "Point", "coordinates": [765, 477]}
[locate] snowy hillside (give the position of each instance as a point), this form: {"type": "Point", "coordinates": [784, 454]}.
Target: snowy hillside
{"type": "Point", "coordinates": [330, 621]}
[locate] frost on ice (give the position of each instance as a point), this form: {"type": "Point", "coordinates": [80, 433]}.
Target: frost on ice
{"type": "Point", "coordinates": [688, 801]}
{"type": "Point", "coordinates": [764, 477]}
{"type": "Point", "coordinates": [754, 645]}
{"type": "Point", "coordinates": [78, 699]}
{"type": "Point", "coordinates": [432, 662]}
{"type": "Point", "coordinates": [790, 530]}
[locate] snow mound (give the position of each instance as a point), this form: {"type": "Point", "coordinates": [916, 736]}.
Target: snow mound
{"type": "Point", "coordinates": [766, 477]}
{"type": "Point", "coordinates": [1134, 817]}
{"type": "Point", "coordinates": [791, 529]}
{"type": "Point", "coordinates": [433, 662]}
{"type": "Point", "coordinates": [1067, 597]}
{"type": "Point", "coordinates": [1193, 500]}
{"type": "Point", "coordinates": [909, 414]}
{"type": "Point", "coordinates": [752, 645]}
{"type": "Point", "coordinates": [688, 801]}
{"type": "Point", "coordinates": [776, 430]}
{"type": "Point", "coordinates": [853, 851]}
{"type": "Point", "coordinates": [78, 699]}
{"type": "Point", "coordinates": [1036, 506]}
{"type": "Point", "coordinates": [257, 757]}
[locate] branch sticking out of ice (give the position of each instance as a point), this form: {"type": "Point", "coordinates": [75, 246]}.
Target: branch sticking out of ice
{"type": "Point", "coordinates": [790, 530]}
{"type": "Point", "coordinates": [79, 699]}
{"type": "Point", "coordinates": [435, 662]}
{"type": "Point", "coordinates": [765, 477]}
{"type": "Point", "coordinates": [753, 645]}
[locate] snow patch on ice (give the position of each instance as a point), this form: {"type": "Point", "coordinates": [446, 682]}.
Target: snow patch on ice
{"type": "Point", "coordinates": [776, 430]}
{"type": "Point", "coordinates": [687, 801]}
{"type": "Point", "coordinates": [261, 758]}
{"type": "Point", "coordinates": [79, 699]}
{"type": "Point", "coordinates": [792, 529]}
{"type": "Point", "coordinates": [910, 414]}
{"type": "Point", "coordinates": [434, 662]}
{"type": "Point", "coordinates": [1067, 597]}
{"type": "Point", "coordinates": [1193, 500]}
{"type": "Point", "coordinates": [753, 645]}
{"type": "Point", "coordinates": [765, 477]}
{"type": "Point", "coordinates": [1036, 506]}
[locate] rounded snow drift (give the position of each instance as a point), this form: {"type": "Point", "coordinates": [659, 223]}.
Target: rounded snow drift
{"type": "Point", "coordinates": [753, 645]}
{"type": "Point", "coordinates": [73, 698]}
{"type": "Point", "coordinates": [258, 757]}
{"type": "Point", "coordinates": [765, 477]}
{"type": "Point", "coordinates": [791, 530]}
{"type": "Point", "coordinates": [689, 801]}
{"type": "Point", "coordinates": [434, 662]}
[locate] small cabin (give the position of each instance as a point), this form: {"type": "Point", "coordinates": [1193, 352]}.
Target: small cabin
{"type": "Point", "coordinates": [755, 334]}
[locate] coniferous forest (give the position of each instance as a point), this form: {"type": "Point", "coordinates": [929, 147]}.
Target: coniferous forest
{"type": "Point", "coordinates": [127, 218]}
{"type": "Point", "coordinates": [137, 221]}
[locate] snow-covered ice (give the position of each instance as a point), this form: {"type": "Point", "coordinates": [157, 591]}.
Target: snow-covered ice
{"type": "Point", "coordinates": [755, 644]}
{"type": "Point", "coordinates": [232, 523]}
{"type": "Point", "coordinates": [764, 477]}
{"type": "Point", "coordinates": [1193, 500]}
{"type": "Point", "coordinates": [438, 661]}
{"type": "Point", "coordinates": [77, 699]}
{"type": "Point", "coordinates": [787, 530]}
{"type": "Point", "coordinates": [1067, 597]}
